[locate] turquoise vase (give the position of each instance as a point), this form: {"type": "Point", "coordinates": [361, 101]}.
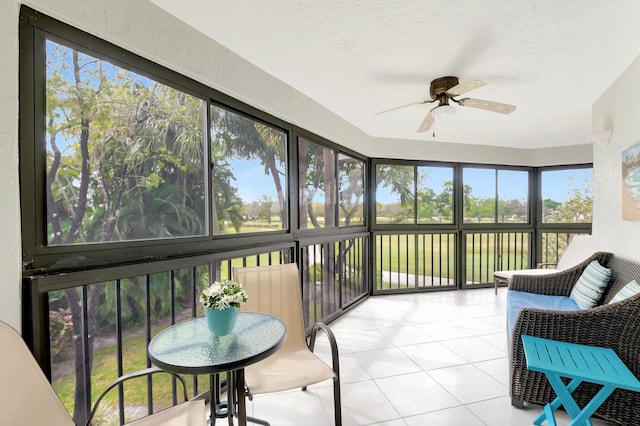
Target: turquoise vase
{"type": "Point", "coordinates": [221, 321]}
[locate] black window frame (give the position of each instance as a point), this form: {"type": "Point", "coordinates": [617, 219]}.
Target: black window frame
{"type": "Point", "coordinates": [38, 257]}
{"type": "Point", "coordinates": [531, 196]}
{"type": "Point", "coordinates": [336, 229]}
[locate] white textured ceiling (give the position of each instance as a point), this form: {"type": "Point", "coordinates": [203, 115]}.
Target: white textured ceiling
{"type": "Point", "coordinates": [551, 58]}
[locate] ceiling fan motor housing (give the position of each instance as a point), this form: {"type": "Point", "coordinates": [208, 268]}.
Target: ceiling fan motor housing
{"type": "Point", "coordinates": [442, 85]}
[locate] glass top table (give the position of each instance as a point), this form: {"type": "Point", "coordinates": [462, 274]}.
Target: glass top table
{"type": "Point", "coordinates": [189, 348]}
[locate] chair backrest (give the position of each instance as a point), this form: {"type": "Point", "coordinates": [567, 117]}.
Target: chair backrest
{"type": "Point", "coordinates": [27, 396]}
{"type": "Point", "coordinates": [275, 290]}
{"type": "Point", "coordinates": [579, 248]}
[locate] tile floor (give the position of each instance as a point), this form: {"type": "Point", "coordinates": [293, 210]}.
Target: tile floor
{"type": "Point", "coordinates": [413, 360]}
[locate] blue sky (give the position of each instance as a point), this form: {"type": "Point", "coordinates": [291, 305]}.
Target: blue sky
{"type": "Point", "coordinates": [251, 181]}
{"type": "Point", "coordinates": [512, 184]}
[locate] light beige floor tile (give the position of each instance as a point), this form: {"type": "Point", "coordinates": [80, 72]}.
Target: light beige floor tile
{"type": "Point", "coordinates": [473, 349]}
{"type": "Point", "coordinates": [391, 376]}
{"type": "Point", "coordinates": [429, 356]}
{"type": "Point", "coordinates": [496, 368]}
{"type": "Point", "coordinates": [397, 422]}
{"type": "Point", "coordinates": [292, 408]}
{"type": "Point", "coordinates": [468, 383]}
{"type": "Point", "coordinates": [499, 340]}
{"type": "Point", "coordinates": [456, 416]}
{"type": "Point", "coordinates": [366, 340]}
{"type": "Point", "coordinates": [499, 412]}
{"type": "Point", "coordinates": [386, 362]}
{"type": "Point", "coordinates": [415, 393]}
{"type": "Point", "coordinates": [363, 403]}
{"type": "Point", "coordinates": [406, 335]}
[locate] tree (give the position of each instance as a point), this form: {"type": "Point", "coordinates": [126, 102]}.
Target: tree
{"type": "Point", "coordinates": [266, 204]}
{"type": "Point", "coordinates": [351, 189]}
{"type": "Point", "coordinates": [238, 137]}
{"type": "Point", "coordinates": [400, 179]}
{"type": "Point", "coordinates": [579, 207]}
{"type": "Point", "coordinates": [316, 173]}
{"type": "Point", "coordinates": [444, 201]}
{"type": "Point", "coordinates": [122, 151]}
{"type": "Point", "coordinates": [513, 208]}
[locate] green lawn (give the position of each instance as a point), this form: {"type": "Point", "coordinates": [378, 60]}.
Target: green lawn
{"type": "Point", "coordinates": [428, 254]}
{"type": "Point", "coordinates": [135, 391]}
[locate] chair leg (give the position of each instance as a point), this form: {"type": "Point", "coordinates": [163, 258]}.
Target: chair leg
{"type": "Point", "coordinates": [258, 421]}
{"type": "Point", "coordinates": [517, 403]}
{"type": "Point", "coordinates": [337, 404]}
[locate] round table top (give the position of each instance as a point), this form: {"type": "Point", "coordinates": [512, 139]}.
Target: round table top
{"type": "Point", "coordinates": [189, 348]}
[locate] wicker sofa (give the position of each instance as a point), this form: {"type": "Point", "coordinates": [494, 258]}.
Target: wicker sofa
{"type": "Point", "coordinates": [615, 325]}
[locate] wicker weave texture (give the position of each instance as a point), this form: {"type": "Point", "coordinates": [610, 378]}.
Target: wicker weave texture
{"type": "Point", "coordinates": [615, 326]}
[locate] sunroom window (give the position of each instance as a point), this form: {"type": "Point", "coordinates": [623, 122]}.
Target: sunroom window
{"type": "Point", "coordinates": [124, 153]}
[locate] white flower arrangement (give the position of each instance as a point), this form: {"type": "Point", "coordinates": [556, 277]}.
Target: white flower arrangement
{"type": "Point", "coordinates": [223, 294]}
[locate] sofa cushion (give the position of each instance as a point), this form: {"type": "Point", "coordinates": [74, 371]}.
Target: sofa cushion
{"type": "Point", "coordinates": [517, 300]}
{"type": "Point", "coordinates": [630, 289]}
{"type": "Point", "coordinates": [591, 285]}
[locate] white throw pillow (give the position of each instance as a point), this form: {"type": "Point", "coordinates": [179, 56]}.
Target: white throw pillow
{"type": "Point", "coordinates": [591, 285]}
{"type": "Point", "coordinates": [630, 289]}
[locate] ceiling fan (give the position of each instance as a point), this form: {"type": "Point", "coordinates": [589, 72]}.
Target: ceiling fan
{"type": "Point", "coordinates": [445, 89]}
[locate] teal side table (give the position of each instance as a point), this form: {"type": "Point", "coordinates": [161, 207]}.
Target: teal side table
{"type": "Point", "coordinates": [579, 363]}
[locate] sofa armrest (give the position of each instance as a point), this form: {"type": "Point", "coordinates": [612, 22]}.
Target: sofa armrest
{"type": "Point", "coordinates": [613, 326]}
{"type": "Point", "coordinates": [558, 283]}
{"type": "Point", "coordinates": [543, 265]}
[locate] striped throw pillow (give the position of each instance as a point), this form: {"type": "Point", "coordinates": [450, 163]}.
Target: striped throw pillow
{"type": "Point", "coordinates": [630, 289]}
{"type": "Point", "coordinates": [591, 285]}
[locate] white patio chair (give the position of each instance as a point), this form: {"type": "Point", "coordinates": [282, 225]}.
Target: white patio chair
{"type": "Point", "coordinates": [28, 398]}
{"type": "Point", "coordinates": [579, 248]}
{"type": "Point", "coordinates": [275, 290]}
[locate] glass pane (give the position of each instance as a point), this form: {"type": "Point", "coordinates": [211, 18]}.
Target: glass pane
{"type": "Point", "coordinates": [394, 193]}
{"type": "Point", "coordinates": [318, 185]}
{"type": "Point", "coordinates": [566, 196]}
{"type": "Point", "coordinates": [479, 195]}
{"type": "Point", "coordinates": [513, 193]}
{"type": "Point", "coordinates": [248, 174]}
{"type": "Point", "coordinates": [351, 175]}
{"type": "Point", "coordinates": [124, 154]}
{"type": "Point", "coordinates": [435, 194]}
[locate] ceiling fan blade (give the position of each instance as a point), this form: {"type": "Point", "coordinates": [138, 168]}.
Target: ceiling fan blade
{"type": "Point", "coordinates": [465, 86]}
{"type": "Point", "coordinates": [427, 122]}
{"type": "Point", "coordinates": [487, 105]}
{"type": "Point", "coordinates": [402, 106]}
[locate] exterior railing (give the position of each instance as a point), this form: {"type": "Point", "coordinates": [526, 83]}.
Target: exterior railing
{"type": "Point", "coordinates": [553, 245]}
{"type": "Point", "coordinates": [414, 261]}
{"type": "Point", "coordinates": [417, 261]}
{"type": "Point", "coordinates": [486, 252]}
{"type": "Point", "coordinates": [334, 275]}
{"type": "Point", "coordinates": [91, 327]}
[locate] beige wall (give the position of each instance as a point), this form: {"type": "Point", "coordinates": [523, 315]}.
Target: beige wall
{"type": "Point", "coordinates": [10, 251]}
{"type": "Point", "coordinates": [618, 109]}
{"type": "Point", "coordinates": [147, 30]}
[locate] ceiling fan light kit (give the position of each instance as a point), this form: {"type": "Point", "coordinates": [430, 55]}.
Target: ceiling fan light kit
{"type": "Point", "coordinates": [445, 89]}
{"type": "Point", "coordinates": [444, 112]}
